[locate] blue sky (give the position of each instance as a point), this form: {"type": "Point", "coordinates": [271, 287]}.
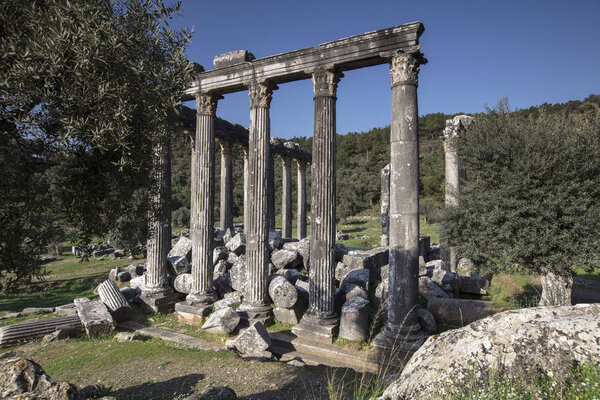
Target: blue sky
{"type": "Point", "coordinates": [533, 51]}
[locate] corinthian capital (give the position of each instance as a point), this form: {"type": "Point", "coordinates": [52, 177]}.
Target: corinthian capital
{"type": "Point", "coordinates": [206, 103]}
{"type": "Point", "coordinates": [260, 94]}
{"type": "Point", "coordinates": [404, 67]}
{"type": "Point", "coordinates": [325, 82]}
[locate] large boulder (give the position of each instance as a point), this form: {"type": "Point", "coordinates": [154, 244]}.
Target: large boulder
{"type": "Point", "coordinates": [25, 379]}
{"type": "Point", "coordinates": [95, 317]}
{"type": "Point", "coordinates": [237, 244]}
{"type": "Point", "coordinates": [183, 283]}
{"type": "Point", "coordinates": [514, 343]}
{"type": "Point", "coordinates": [253, 342]}
{"type": "Point", "coordinates": [222, 321]}
{"type": "Point", "coordinates": [304, 251]}
{"type": "Point", "coordinates": [286, 259]}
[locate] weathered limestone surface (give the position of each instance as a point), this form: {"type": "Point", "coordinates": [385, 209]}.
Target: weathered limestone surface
{"type": "Point", "coordinates": [254, 341]}
{"type": "Point", "coordinates": [25, 379]}
{"type": "Point", "coordinates": [226, 208]}
{"type": "Point", "coordinates": [385, 205]}
{"type": "Point", "coordinates": [222, 321]}
{"type": "Point", "coordinates": [354, 324]}
{"type": "Point", "coordinates": [301, 223]}
{"type": "Point", "coordinates": [517, 342]}
{"type": "Point", "coordinates": [202, 200]}
{"type": "Point", "coordinates": [229, 300]}
{"type": "Point", "coordinates": [114, 300]}
{"type": "Point", "coordinates": [282, 292]}
{"type": "Point", "coordinates": [25, 331]}
{"type": "Point", "coordinates": [232, 58]}
{"type": "Point", "coordinates": [286, 198]}
{"type": "Point", "coordinates": [257, 256]}
{"type": "Point", "coordinates": [95, 317]}
{"type": "Point", "coordinates": [285, 259]}
{"type": "Point", "coordinates": [429, 289]}
{"type": "Point", "coordinates": [404, 205]}
{"type": "Point", "coordinates": [183, 283]}
{"type": "Point", "coordinates": [349, 53]}
{"type": "Point", "coordinates": [459, 312]}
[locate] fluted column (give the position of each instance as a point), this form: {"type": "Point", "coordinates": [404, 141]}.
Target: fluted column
{"type": "Point", "coordinates": [322, 257]}
{"type": "Point", "coordinates": [255, 303]}
{"type": "Point", "coordinates": [271, 190]}
{"type": "Point", "coordinates": [202, 200]}
{"type": "Point", "coordinates": [245, 190]}
{"type": "Point", "coordinates": [402, 331]}
{"type": "Point", "coordinates": [226, 208]}
{"type": "Point", "coordinates": [159, 227]}
{"type": "Point", "coordinates": [301, 199]}
{"type": "Point", "coordinates": [286, 198]}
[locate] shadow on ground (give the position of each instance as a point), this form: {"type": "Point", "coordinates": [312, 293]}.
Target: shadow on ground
{"type": "Point", "coordinates": [168, 389]}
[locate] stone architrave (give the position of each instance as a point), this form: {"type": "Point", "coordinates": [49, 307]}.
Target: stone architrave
{"type": "Point", "coordinates": [321, 319]}
{"type": "Point", "coordinates": [402, 331]}
{"type": "Point", "coordinates": [226, 208]}
{"type": "Point", "coordinates": [454, 174]}
{"type": "Point", "coordinates": [202, 201]}
{"type": "Point", "coordinates": [286, 198]}
{"type": "Point", "coordinates": [385, 205]}
{"type": "Point", "coordinates": [301, 215]}
{"type": "Point", "coordinates": [156, 290]}
{"type": "Point", "coordinates": [255, 304]}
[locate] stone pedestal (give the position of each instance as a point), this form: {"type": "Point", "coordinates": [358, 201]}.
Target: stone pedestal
{"type": "Point", "coordinates": [192, 314]}
{"type": "Point", "coordinates": [402, 332]}
{"type": "Point", "coordinates": [321, 320]}
{"type": "Point", "coordinates": [202, 201]}
{"type": "Point", "coordinates": [155, 290]}
{"type": "Point", "coordinates": [301, 199]}
{"type": "Point", "coordinates": [286, 198]}
{"type": "Point", "coordinates": [255, 305]}
{"type": "Point", "coordinates": [226, 205]}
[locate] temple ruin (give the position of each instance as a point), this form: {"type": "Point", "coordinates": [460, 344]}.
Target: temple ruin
{"type": "Point", "coordinates": [324, 64]}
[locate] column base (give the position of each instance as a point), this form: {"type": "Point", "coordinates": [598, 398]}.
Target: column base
{"type": "Point", "coordinates": [192, 314]}
{"type": "Point", "coordinates": [161, 301]}
{"type": "Point", "coordinates": [250, 314]}
{"type": "Point", "coordinates": [398, 345]}
{"type": "Point", "coordinates": [202, 299]}
{"type": "Point", "coordinates": [317, 329]}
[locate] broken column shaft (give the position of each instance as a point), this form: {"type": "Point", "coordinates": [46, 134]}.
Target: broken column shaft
{"type": "Point", "coordinates": [202, 201]}
{"type": "Point", "coordinates": [402, 331]}
{"type": "Point", "coordinates": [286, 198]}
{"type": "Point", "coordinates": [255, 304]}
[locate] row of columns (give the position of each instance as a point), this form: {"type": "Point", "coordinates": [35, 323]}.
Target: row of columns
{"type": "Point", "coordinates": [402, 328]}
{"type": "Point", "coordinates": [226, 195]}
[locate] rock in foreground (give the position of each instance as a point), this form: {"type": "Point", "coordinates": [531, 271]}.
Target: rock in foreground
{"type": "Point", "coordinates": [516, 342]}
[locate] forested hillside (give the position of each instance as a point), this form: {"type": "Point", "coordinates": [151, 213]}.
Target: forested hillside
{"type": "Point", "coordinates": [360, 158]}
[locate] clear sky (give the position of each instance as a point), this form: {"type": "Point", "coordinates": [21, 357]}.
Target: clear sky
{"type": "Point", "coordinates": [478, 51]}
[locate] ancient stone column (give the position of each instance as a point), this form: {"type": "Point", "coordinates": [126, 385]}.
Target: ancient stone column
{"type": "Point", "coordinates": [321, 321]}
{"type": "Point", "coordinates": [385, 205]}
{"type": "Point", "coordinates": [301, 199]}
{"type": "Point", "coordinates": [286, 198]}
{"type": "Point", "coordinates": [255, 304]}
{"type": "Point", "coordinates": [454, 173]}
{"type": "Point", "coordinates": [245, 190]}
{"type": "Point", "coordinates": [271, 190]}
{"type": "Point", "coordinates": [402, 331]}
{"type": "Point", "coordinates": [156, 290]}
{"type": "Point", "coordinates": [226, 208]}
{"type": "Point", "coordinates": [202, 201]}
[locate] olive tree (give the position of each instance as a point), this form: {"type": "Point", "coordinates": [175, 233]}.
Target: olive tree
{"type": "Point", "coordinates": [531, 199]}
{"type": "Point", "coordinates": [86, 89]}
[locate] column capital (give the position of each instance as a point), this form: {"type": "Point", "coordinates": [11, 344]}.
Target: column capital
{"type": "Point", "coordinates": [261, 93]}
{"type": "Point", "coordinates": [206, 103]}
{"type": "Point", "coordinates": [325, 82]}
{"type": "Point", "coordinates": [405, 66]}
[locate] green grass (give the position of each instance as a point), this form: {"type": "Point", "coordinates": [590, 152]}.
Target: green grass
{"type": "Point", "coordinates": [65, 280]}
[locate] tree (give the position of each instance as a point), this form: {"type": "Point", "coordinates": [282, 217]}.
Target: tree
{"type": "Point", "coordinates": [86, 89]}
{"type": "Point", "coordinates": [531, 201]}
